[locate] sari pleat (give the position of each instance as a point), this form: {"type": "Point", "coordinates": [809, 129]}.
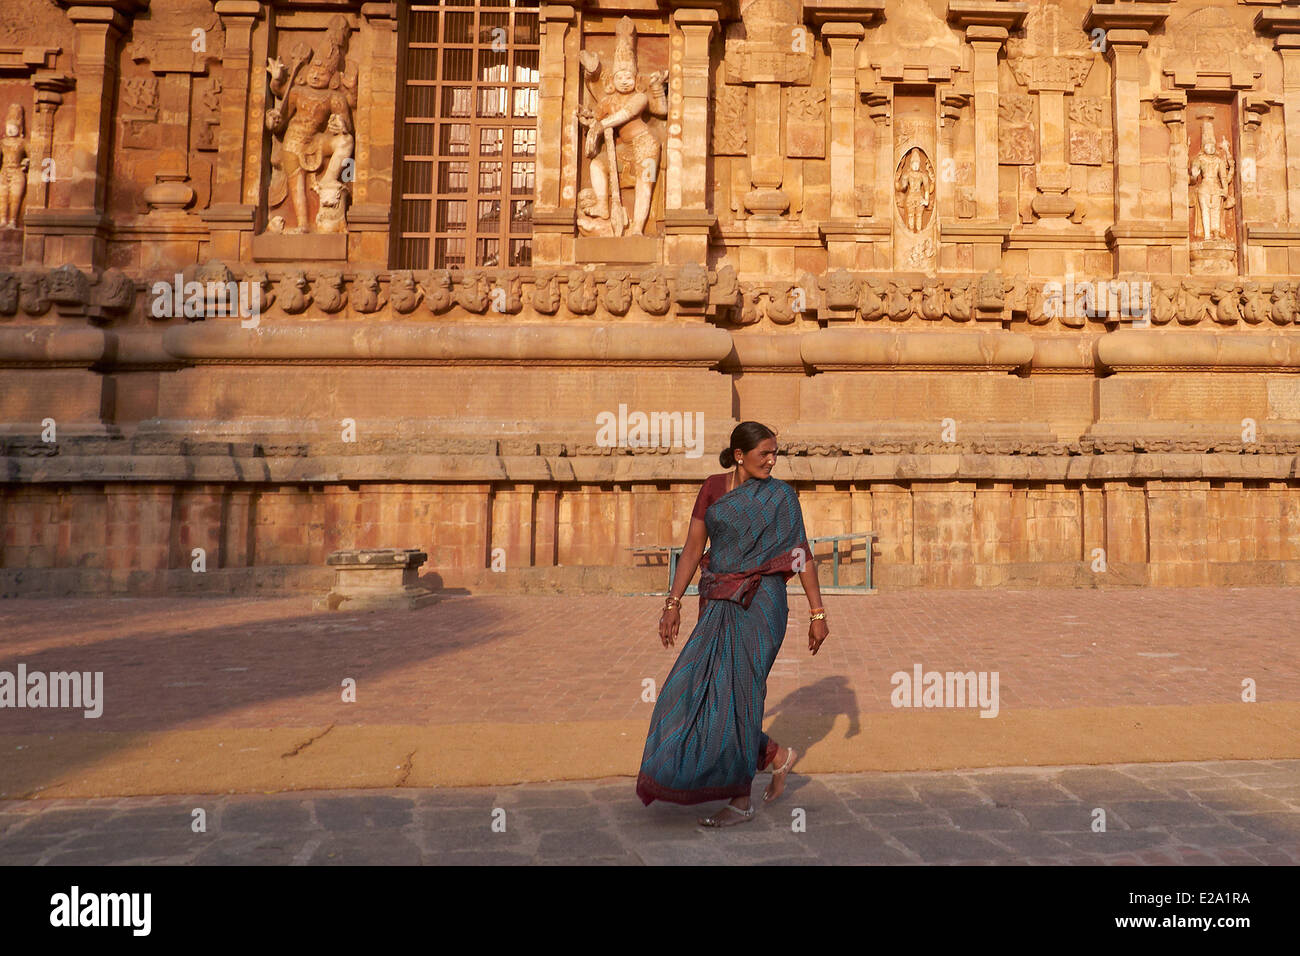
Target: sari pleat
{"type": "Point", "coordinates": [706, 741]}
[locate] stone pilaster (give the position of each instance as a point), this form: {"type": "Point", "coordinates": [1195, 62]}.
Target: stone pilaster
{"type": "Point", "coordinates": [843, 40]}
{"type": "Point", "coordinates": [987, 43]}
{"type": "Point", "coordinates": [1173, 109]}
{"type": "Point", "coordinates": [687, 218]}
{"type": "Point", "coordinates": [368, 218]}
{"type": "Point", "coordinates": [229, 211]}
{"type": "Point", "coordinates": [81, 226]}
{"type": "Point", "coordinates": [554, 209]}
{"type": "Point", "coordinates": [47, 99]}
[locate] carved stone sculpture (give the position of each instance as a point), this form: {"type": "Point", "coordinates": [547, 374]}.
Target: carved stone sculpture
{"type": "Point", "coordinates": [749, 296]}
{"type": "Point", "coordinates": [546, 293]}
{"type": "Point", "coordinates": [652, 291]}
{"type": "Point", "coordinates": [1227, 302]}
{"type": "Point", "coordinates": [8, 293]}
{"type": "Point", "coordinates": [13, 168]}
{"type": "Point", "coordinates": [330, 294]}
{"type": "Point", "coordinates": [780, 304]}
{"type": "Point", "coordinates": [618, 293]}
{"type": "Point", "coordinates": [474, 293]}
{"type": "Point", "coordinates": [871, 302]}
{"type": "Point", "coordinates": [1255, 308]}
{"type": "Point", "coordinates": [622, 146]}
{"type": "Point", "coordinates": [1211, 175]}
{"type": "Point", "coordinates": [366, 297]}
{"type": "Point", "coordinates": [403, 293]}
{"type": "Point", "coordinates": [436, 289]}
{"type": "Point", "coordinates": [32, 292]}
{"type": "Point", "coordinates": [841, 290]}
{"type": "Point", "coordinates": [311, 123]}
{"type": "Point", "coordinates": [582, 292]}
{"type": "Point", "coordinates": [292, 292]}
{"type": "Point", "coordinates": [915, 188]}
{"type": "Point", "coordinates": [692, 284]}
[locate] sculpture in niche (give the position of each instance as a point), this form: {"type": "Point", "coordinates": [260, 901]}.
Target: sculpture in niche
{"type": "Point", "coordinates": [332, 188]}
{"type": "Point", "coordinates": [621, 145]}
{"type": "Point", "coordinates": [13, 168]}
{"type": "Point", "coordinates": [1211, 174]}
{"type": "Point", "coordinates": [915, 187]}
{"type": "Point", "coordinates": [590, 223]}
{"type": "Point", "coordinates": [304, 128]}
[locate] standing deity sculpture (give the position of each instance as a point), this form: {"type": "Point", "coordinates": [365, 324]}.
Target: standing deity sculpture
{"type": "Point", "coordinates": [312, 123]}
{"type": "Point", "coordinates": [1212, 175]}
{"type": "Point", "coordinates": [621, 144]}
{"type": "Point", "coordinates": [915, 188]}
{"type": "Point", "coordinates": [13, 168]}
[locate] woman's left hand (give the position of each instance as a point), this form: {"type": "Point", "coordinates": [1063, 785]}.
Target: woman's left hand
{"type": "Point", "coordinates": [818, 631]}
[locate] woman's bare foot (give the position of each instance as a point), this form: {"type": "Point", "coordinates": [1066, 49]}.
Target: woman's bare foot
{"type": "Point", "coordinates": [737, 811]}
{"type": "Point", "coordinates": [781, 769]}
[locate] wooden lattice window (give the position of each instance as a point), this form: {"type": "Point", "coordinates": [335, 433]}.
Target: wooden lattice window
{"type": "Point", "coordinates": [468, 135]}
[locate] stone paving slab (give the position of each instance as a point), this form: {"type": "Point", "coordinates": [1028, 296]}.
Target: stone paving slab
{"type": "Point", "coordinates": [1034, 816]}
{"type": "Point", "coordinates": [214, 695]}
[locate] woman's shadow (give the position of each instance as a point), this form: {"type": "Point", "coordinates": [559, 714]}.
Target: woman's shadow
{"type": "Point", "coordinates": [806, 716]}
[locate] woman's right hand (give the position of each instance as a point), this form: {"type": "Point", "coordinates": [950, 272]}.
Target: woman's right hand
{"type": "Point", "coordinates": [669, 622]}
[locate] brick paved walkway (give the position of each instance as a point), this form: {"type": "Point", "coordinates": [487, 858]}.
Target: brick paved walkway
{"type": "Point", "coordinates": [1236, 812]}
{"type": "Point", "coordinates": [550, 687]}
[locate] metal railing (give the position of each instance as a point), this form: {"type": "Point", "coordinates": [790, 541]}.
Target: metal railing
{"type": "Point", "coordinates": [674, 552]}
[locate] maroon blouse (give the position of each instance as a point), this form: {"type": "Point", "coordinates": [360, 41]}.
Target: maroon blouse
{"type": "Point", "coordinates": [714, 487]}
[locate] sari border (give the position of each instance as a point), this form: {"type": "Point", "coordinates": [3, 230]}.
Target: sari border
{"type": "Point", "coordinates": [649, 790]}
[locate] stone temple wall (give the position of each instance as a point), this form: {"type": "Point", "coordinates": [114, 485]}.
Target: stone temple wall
{"type": "Point", "coordinates": [1015, 282]}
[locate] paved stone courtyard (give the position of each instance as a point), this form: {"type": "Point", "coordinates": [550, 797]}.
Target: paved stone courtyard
{"type": "Point", "coordinates": [1229, 812]}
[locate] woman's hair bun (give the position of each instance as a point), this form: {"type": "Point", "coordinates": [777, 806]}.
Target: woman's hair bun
{"type": "Point", "coordinates": [726, 459]}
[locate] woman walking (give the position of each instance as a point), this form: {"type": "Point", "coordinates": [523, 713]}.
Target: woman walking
{"type": "Point", "coordinates": [706, 738]}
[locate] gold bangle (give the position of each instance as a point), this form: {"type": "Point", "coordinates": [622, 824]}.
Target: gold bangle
{"type": "Point", "coordinates": [820, 616]}
{"type": "Point", "coordinates": [814, 610]}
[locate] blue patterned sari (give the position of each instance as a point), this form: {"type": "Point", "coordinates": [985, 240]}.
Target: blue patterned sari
{"type": "Point", "coordinates": [706, 740]}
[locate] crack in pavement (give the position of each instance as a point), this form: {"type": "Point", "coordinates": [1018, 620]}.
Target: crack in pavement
{"type": "Point", "coordinates": [307, 743]}
{"type": "Point", "coordinates": [406, 769]}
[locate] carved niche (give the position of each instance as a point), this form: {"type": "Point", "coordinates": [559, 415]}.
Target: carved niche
{"type": "Point", "coordinates": [311, 126]}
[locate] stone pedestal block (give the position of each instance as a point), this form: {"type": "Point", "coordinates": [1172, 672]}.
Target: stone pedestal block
{"type": "Point", "coordinates": [373, 579]}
